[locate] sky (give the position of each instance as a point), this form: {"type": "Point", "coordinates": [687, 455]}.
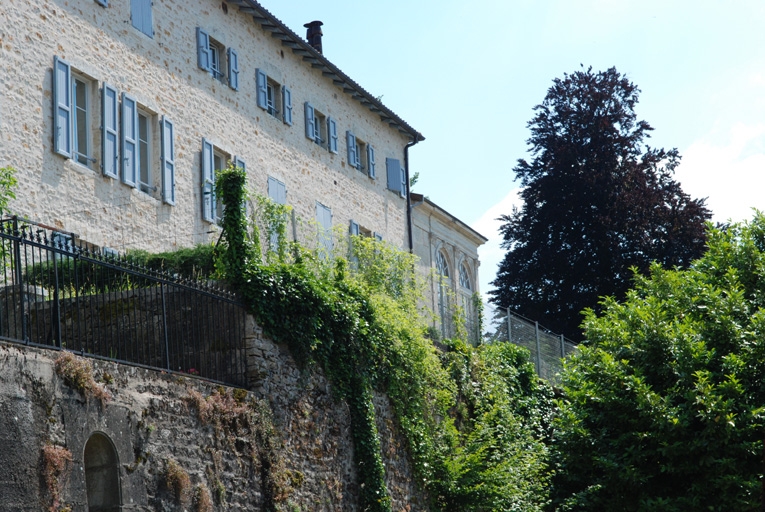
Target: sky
{"type": "Point", "coordinates": [468, 74]}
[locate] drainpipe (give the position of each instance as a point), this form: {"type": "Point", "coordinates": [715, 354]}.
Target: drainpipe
{"type": "Point", "coordinates": [409, 199]}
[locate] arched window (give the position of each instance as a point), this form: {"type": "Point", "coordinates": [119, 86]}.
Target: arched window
{"type": "Point", "coordinates": [102, 477]}
{"type": "Point", "coordinates": [465, 278]}
{"type": "Point", "coordinates": [442, 269]}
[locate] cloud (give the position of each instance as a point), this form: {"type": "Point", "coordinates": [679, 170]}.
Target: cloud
{"type": "Point", "coordinates": [490, 253]}
{"type": "Point", "coordinates": [730, 174]}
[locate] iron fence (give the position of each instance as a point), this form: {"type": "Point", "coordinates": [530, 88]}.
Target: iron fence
{"type": "Point", "coordinates": [548, 350]}
{"type": "Point", "coordinates": [56, 291]}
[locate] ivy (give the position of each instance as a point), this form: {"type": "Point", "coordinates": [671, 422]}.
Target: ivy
{"type": "Point", "coordinates": [357, 315]}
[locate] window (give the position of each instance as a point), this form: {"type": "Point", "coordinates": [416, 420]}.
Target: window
{"type": "Point", "coordinates": [213, 57]}
{"type": "Point", "coordinates": [396, 176]}
{"type": "Point", "coordinates": [144, 153]}
{"type": "Point", "coordinates": [213, 160]}
{"type": "Point", "coordinates": [318, 126]}
{"type": "Point", "coordinates": [324, 222]}
{"type": "Point", "coordinates": [274, 98]}
{"type": "Point", "coordinates": [465, 278]}
{"type": "Point", "coordinates": [72, 113]}
{"type": "Point", "coordinates": [140, 15]}
{"type": "Point", "coordinates": [360, 154]}
{"type": "Point", "coordinates": [443, 274]}
{"type": "Point", "coordinates": [137, 145]}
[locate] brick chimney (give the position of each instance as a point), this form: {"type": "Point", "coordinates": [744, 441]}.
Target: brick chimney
{"type": "Point", "coordinates": [313, 35]}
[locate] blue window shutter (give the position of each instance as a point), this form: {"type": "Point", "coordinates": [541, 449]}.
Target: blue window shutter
{"type": "Point", "coordinates": [371, 161]}
{"type": "Point", "coordinates": [332, 131]}
{"type": "Point", "coordinates": [354, 228]}
{"type": "Point", "coordinates": [208, 184]}
{"type": "Point", "coordinates": [353, 153]}
{"type": "Point", "coordinates": [204, 55]}
{"type": "Point", "coordinates": [109, 128]}
{"type": "Point", "coordinates": [62, 107]}
{"type": "Point", "coordinates": [140, 13]}
{"type": "Point", "coordinates": [309, 122]}
{"type": "Point", "coordinates": [378, 236]}
{"type": "Point", "coordinates": [287, 105]}
{"type": "Point", "coordinates": [404, 188]}
{"type": "Point", "coordinates": [168, 161]}
{"type": "Point", "coordinates": [233, 69]}
{"type": "Point", "coordinates": [324, 219]}
{"type": "Point", "coordinates": [277, 191]}
{"type": "Point", "coordinates": [129, 140]}
{"type": "Point", "coordinates": [238, 162]}
{"type": "Point", "coordinates": [262, 84]}
{"type": "Point", "coordinates": [393, 168]}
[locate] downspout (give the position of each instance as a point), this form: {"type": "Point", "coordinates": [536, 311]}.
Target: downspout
{"type": "Point", "coordinates": [411, 143]}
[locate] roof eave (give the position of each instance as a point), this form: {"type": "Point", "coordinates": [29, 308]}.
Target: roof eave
{"type": "Point", "coordinates": [300, 47]}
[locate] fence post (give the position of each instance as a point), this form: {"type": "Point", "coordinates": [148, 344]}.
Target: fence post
{"type": "Point", "coordinates": [56, 320]}
{"type": "Point", "coordinates": [164, 326]}
{"type": "Point", "coordinates": [18, 276]}
{"type": "Point", "coordinates": [539, 355]}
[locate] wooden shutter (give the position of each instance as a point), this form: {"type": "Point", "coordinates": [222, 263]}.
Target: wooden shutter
{"type": "Point", "coordinates": [393, 168]}
{"type": "Point", "coordinates": [277, 191]}
{"type": "Point", "coordinates": [204, 55]}
{"type": "Point", "coordinates": [168, 161]}
{"type": "Point", "coordinates": [233, 69]}
{"type": "Point", "coordinates": [109, 131]}
{"type": "Point", "coordinates": [310, 127]}
{"type": "Point", "coordinates": [62, 107]}
{"type": "Point", "coordinates": [129, 140]}
{"type": "Point", "coordinates": [371, 161]}
{"type": "Point", "coordinates": [238, 162]}
{"type": "Point", "coordinates": [140, 13]}
{"type": "Point", "coordinates": [332, 135]}
{"type": "Point", "coordinates": [353, 153]}
{"type": "Point", "coordinates": [262, 84]}
{"type": "Point", "coordinates": [208, 185]}
{"type": "Point", "coordinates": [354, 228]}
{"type": "Point", "coordinates": [287, 105]}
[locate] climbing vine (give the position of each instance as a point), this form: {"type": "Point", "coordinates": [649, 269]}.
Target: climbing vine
{"type": "Point", "coordinates": [357, 315]}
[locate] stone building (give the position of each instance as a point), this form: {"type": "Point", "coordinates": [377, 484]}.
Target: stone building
{"type": "Point", "coordinates": [448, 252]}
{"type": "Point", "coordinates": [117, 114]}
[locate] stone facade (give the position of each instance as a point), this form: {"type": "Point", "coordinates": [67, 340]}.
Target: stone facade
{"type": "Point", "coordinates": [160, 72]}
{"type": "Point", "coordinates": [151, 422]}
{"type": "Point", "coordinates": [448, 253]}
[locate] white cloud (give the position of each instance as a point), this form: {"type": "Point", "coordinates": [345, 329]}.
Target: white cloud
{"type": "Point", "coordinates": [730, 174]}
{"type": "Point", "coordinates": [491, 253]}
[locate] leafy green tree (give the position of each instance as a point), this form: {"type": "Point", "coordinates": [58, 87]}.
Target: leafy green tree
{"type": "Point", "coordinates": [664, 405]}
{"type": "Point", "coordinates": [597, 201]}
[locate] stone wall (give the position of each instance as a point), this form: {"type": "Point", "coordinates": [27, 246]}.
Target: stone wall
{"type": "Point", "coordinates": [162, 75]}
{"type": "Point", "coordinates": [152, 419]}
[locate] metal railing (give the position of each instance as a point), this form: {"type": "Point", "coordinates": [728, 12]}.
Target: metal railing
{"type": "Point", "coordinates": [58, 292]}
{"type": "Point", "coordinates": [548, 350]}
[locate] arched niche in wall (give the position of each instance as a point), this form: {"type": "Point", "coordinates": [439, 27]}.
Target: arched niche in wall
{"type": "Point", "coordinates": [102, 477]}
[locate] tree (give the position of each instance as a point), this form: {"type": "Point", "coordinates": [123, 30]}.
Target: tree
{"type": "Point", "coordinates": [596, 203]}
{"type": "Point", "coordinates": [664, 405]}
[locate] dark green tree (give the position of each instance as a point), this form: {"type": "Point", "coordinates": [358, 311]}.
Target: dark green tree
{"type": "Point", "coordinates": [664, 404]}
{"type": "Point", "coordinates": [597, 202]}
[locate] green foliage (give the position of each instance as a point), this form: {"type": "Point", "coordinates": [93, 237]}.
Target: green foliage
{"type": "Point", "coordinates": [193, 262]}
{"type": "Point", "coordinates": [504, 416]}
{"type": "Point", "coordinates": [359, 319]}
{"type": "Point", "coordinates": [8, 183]}
{"type": "Point", "coordinates": [597, 201]}
{"type": "Point", "coordinates": [665, 405]}
{"type": "Point", "coordinates": [234, 253]}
